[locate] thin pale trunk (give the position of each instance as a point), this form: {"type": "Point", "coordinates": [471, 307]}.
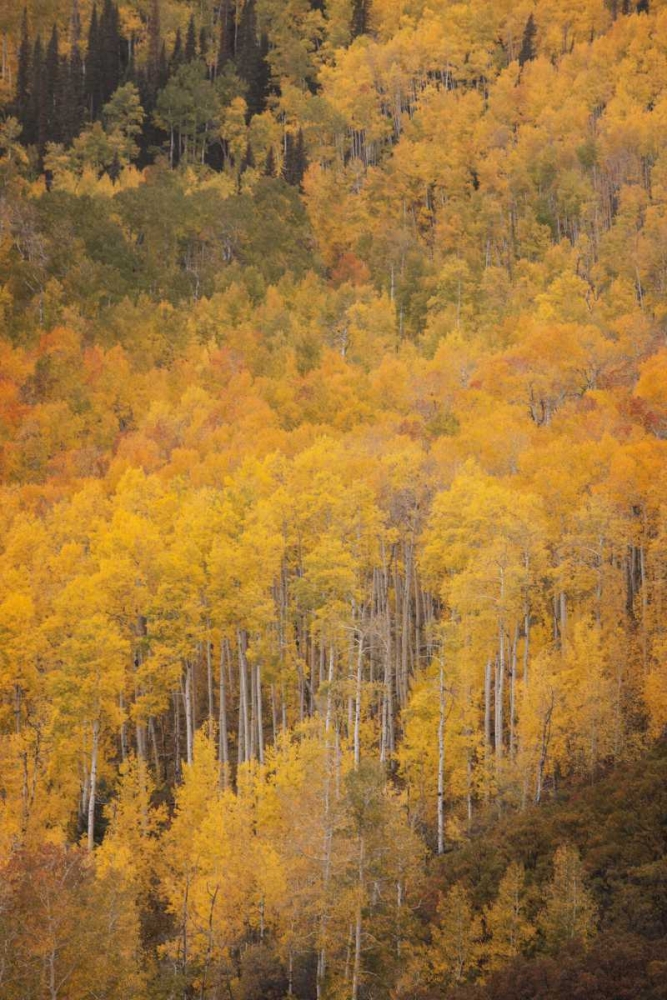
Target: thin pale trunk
{"type": "Point", "coordinates": [260, 721]}
{"type": "Point", "coordinates": [441, 760]}
{"type": "Point", "coordinates": [526, 647]}
{"type": "Point", "coordinates": [223, 746]}
{"type": "Point", "coordinates": [513, 689]}
{"type": "Point", "coordinates": [123, 728]}
{"type": "Point", "coordinates": [500, 693]}
{"type": "Point", "coordinates": [187, 699]}
{"type": "Point", "coordinates": [209, 684]}
{"type": "Point", "coordinates": [253, 712]}
{"type": "Point", "coordinates": [156, 753]}
{"type": "Point", "coordinates": [244, 722]}
{"type": "Point", "coordinates": [357, 699]}
{"type": "Point", "coordinates": [487, 706]}
{"type": "Point", "coordinates": [93, 784]}
{"type": "Point", "coordinates": [274, 716]}
{"type": "Point", "coordinates": [327, 719]}
{"type": "Point", "coordinates": [356, 968]}
{"type": "Point", "coordinates": [405, 627]}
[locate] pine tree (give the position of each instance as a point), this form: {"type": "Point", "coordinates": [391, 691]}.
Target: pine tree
{"type": "Point", "coordinates": [251, 64]}
{"type": "Point", "coordinates": [74, 97]}
{"type": "Point", "coordinates": [528, 50]}
{"type": "Point", "coordinates": [163, 67]}
{"type": "Point", "coordinates": [23, 81]}
{"type": "Point", "coordinates": [93, 74]}
{"type": "Point", "coordinates": [115, 168]}
{"type": "Point", "coordinates": [301, 156]}
{"type": "Point", "coordinates": [360, 18]}
{"type": "Point", "coordinates": [110, 51]}
{"type": "Point", "coordinates": [52, 90]}
{"type": "Point", "coordinates": [75, 25]}
{"type": "Point", "coordinates": [288, 158]}
{"type": "Point", "coordinates": [270, 163]}
{"type": "Point", "coordinates": [177, 52]}
{"type": "Point", "coordinates": [226, 43]}
{"type": "Point", "coordinates": [154, 52]}
{"type": "Point", "coordinates": [38, 95]}
{"type": "Point", "coordinates": [643, 6]}
{"type": "Point", "coordinates": [203, 43]}
{"type": "Point", "coordinates": [191, 41]}
{"type": "Point", "coordinates": [248, 160]}
{"type": "Point", "coordinates": [295, 162]}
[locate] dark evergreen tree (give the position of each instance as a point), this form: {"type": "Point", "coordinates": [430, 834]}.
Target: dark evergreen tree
{"type": "Point", "coordinates": [177, 52]}
{"type": "Point", "coordinates": [288, 158]}
{"type": "Point", "coordinates": [110, 51]}
{"type": "Point", "coordinates": [191, 41]}
{"type": "Point", "coordinates": [93, 67]}
{"type": "Point", "coordinates": [300, 158]}
{"type": "Point", "coordinates": [528, 50]}
{"type": "Point", "coordinates": [23, 81]}
{"type": "Point", "coordinates": [642, 6]}
{"type": "Point", "coordinates": [163, 67]}
{"type": "Point", "coordinates": [360, 18]}
{"type": "Point", "coordinates": [154, 52]}
{"type": "Point", "coordinates": [131, 70]}
{"type": "Point", "coordinates": [52, 90]}
{"type": "Point", "coordinates": [75, 25]}
{"type": "Point", "coordinates": [251, 64]}
{"type": "Point", "coordinates": [270, 163]}
{"type": "Point", "coordinates": [74, 100]}
{"type": "Point", "coordinates": [38, 96]}
{"type": "Point", "coordinates": [295, 162]}
{"type": "Point", "coordinates": [248, 160]}
{"type": "Point", "coordinates": [226, 43]}
{"type": "Point", "coordinates": [115, 168]}
{"type": "Point", "coordinates": [203, 43]}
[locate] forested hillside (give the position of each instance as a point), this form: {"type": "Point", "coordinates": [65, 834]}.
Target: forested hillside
{"type": "Point", "coordinates": [333, 499]}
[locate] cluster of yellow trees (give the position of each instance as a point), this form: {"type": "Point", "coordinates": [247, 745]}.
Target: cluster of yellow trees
{"type": "Point", "coordinates": [474, 600]}
{"type": "Point", "coordinates": [303, 574]}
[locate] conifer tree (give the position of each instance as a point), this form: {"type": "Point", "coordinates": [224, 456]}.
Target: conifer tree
{"type": "Point", "coordinates": [154, 52]}
{"type": "Point", "coordinates": [251, 64]}
{"type": "Point", "coordinates": [295, 162]}
{"type": "Point", "coordinates": [642, 6]}
{"type": "Point", "coordinates": [163, 67]}
{"type": "Point", "coordinates": [203, 43]}
{"type": "Point", "coordinates": [23, 81]}
{"type": "Point", "coordinates": [38, 95]}
{"type": "Point", "coordinates": [52, 89]}
{"type": "Point", "coordinates": [177, 52]}
{"type": "Point", "coordinates": [528, 50]}
{"type": "Point", "coordinates": [93, 68]}
{"type": "Point", "coordinates": [248, 160]}
{"type": "Point", "coordinates": [110, 51]}
{"type": "Point", "coordinates": [226, 42]}
{"type": "Point", "coordinates": [360, 18]}
{"type": "Point", "coordinates": [270, 163]}
{"type": "Point", "coordinates": [73, 108]}
{"type": "Point", "coordinates": [75, 25]}
{"type": "Point", "coordinates": [191, 41]}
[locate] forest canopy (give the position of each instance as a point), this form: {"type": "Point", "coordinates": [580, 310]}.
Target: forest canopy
{"type": "Point", "coordinates": [333, 499]}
